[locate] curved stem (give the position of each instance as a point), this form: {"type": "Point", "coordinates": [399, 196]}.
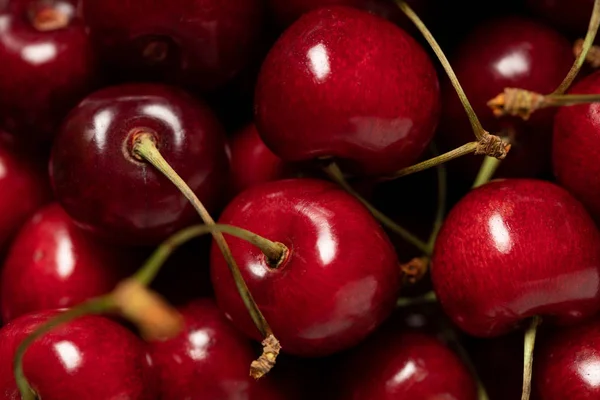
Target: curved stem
{"type": "Point", "coordinates": [144, 147]}
{"type": "Point", "coordinates": [486, 171]}
{"type": "Point", "coordinates": [335, 174]}
{"type": "Point", "coordinates": [442, 184]}
{"type": "Point", "coordinates": [475, 123]}
{"type": "Point", "coordinates": [529, 345]}
{"type": "Point", "coordinates": [587, 43]}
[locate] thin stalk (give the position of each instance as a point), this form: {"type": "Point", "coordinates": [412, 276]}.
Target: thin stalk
{"type": "Point", "coordinates": [557, 100]}
{"type": "Point", "coordinates": [442, 189]}
{"type": "Point", "coordinates": [529, 345]}
{"type": "Point", "coordinates": [486, 171]}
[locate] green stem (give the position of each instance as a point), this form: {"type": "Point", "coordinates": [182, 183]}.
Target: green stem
{"type": "Point", "coordinates": [557, 100]}
{"type": "Point", "coordinates": [426, 298]}
{"type": "Point", "coordinates": [529, 345]}
{"type": "Point", "coordinates": [336, 175]}
{"type": "Point", "coordinates": [475, 123]}
{"type": "Point", "coordinates": [587, 44]}
{"type": "Point", "coordinates": [487, 170]}
{"type": "Point", "coordinates": [442, 184]}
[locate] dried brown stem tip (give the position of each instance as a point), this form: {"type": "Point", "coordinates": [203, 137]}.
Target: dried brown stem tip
{"type": "Point", "coordinates": [267, 359]}
{"type": "Point", "coordinates": [493, 146]}
{"type": "Point", "coordinates": [155, 318]}
{"type": "Point", "coordinates": [415, 269]}
{"type": "Point", "coordinates": [516, 102]}
{"type": "Point", "coordinates": [593, 55]}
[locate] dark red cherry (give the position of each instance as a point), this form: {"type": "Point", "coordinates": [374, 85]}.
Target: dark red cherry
{"type": "Point", "coordinates": [200, 43]}
{"type": "Point", "coordinates": [109, 192]}
{"type": "Point", "coordinates": [505, 52]}
{"type": "Point", "coordinates": [47, 66]}
{"type": "Point", "coordinates": [24, 186]}
{"type": "Point", "coordinates": [567, 363]}
{"type": "Point", "coordinates": [576, 150]}
{"type": "Point", "coordinates": [90, 358]}
{"type": "Point", "coordinates": [516, 248]}
{"type": "Point", "coordinates": [344, 83]}
{"type": "Point", "coordinates": [339, 281]}
{"type": "Point", "coordinates": [210, 359]}
{"type": "Point", "coordinates": [53, 264]}
{"type": "Point", "coordinates": [571, 16]}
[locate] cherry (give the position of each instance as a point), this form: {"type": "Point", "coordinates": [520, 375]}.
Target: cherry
{"type": "Point", "coordinates": [53, 264]}
{"type": "Point", "coordinates": [208, 360]}
{"type": "Point", "coordinates": [339, 280]}
{"type": "Point", "coordinates": [24, 189]}
{"type": "Point", "coordinates": [47, 66]}
{"type": "Point", "coordinates": [510, 51]}
{"type": "Point", "coordinates": [575, 149]}
{"type": "Point", "coordinates": [89, 358]}
{"type": "Point", "coordinates": [110, 192]}
{"type": "Point", "coordinates": [513, 249]}
{"type": "Point", "coordinates": [572, 16]}
{"type": "Point", "coordinates": [566, 364]}
{"type": "Point", "coordinates": [202, 44]}
{"type": "Point", "coordinates": [326, 90]}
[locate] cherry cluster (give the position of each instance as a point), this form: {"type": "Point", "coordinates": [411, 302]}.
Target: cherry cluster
{"type": "Point", "coordinates": [299, 199]}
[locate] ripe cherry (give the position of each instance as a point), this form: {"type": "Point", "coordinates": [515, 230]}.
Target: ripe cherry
{"type": "Point", "coordinates": [338, 281]}
{"type": "Point", "coordinates": [572, 16]}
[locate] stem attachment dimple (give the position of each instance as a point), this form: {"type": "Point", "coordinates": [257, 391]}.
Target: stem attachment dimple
{"type": "Point", "coordinates": [529, 345]}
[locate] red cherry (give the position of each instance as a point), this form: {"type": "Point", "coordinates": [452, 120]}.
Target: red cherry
{"type": "Point", "coordinates": [200, 43]}
{"type": "Point", "coordinates": [339, 281]}
{"type": "Point", "coordinates": [109, 192]}
{"type": "Point", "coordinates": [210, 359]}
{"type": "Point", "coordinates": [567, 361]}
{"type": "Point", "coordinates": [505, 52]}
{"type": "Point", "coordinates": [90, 358]}
{"type": "Point", "coordinates": [344, 83]}
{"type": "Point", "coordinates": [47, 66]}
{"type": "Point", "coordinates": [513, 249]}
{"type": "Point", "coordinates": [24, 187]}
{"type": "Point", "coordinates": [53, 264]}
{"type": "Point", "coordinates": [575, 149]}
{"type": "Point", "coordinates": [572, 16]}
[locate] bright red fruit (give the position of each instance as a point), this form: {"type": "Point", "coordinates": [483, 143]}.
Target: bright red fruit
{"type": "Point", "coordinates": [516, 248]}
{"type": "Point", "coordinates": [339, 281]}
{"type": "Point", "coordinates": [343, 83]}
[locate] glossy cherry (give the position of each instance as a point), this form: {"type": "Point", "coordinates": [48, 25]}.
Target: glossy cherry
{"type": "Point", "coordinates": [326, 90]}
{"type": "Point", "coordinates": [109, 192]}
{"type": "Point", "coordinates": [47, 66]}
{"type": "Point", "coordinates": [210, 359]}
{"type": "Point", "coordinates": [504, 52]}
{"type": "Point", "coordinates": [575, 149]}
{"type": "Point", "coordinates": [571, 16]}
{"type": "Point", "coordinates": [566, 363]}
{"type": "Point", "coordinates": [340, 278]}
{"type": "Point", "coordinates": [90, 358]}
{"type": "Point", "coordinates": [195, 43]}
{"type": "Point", "coordinates": [53, 264]}
{"type": "Point", "coordinates": [513, 249]}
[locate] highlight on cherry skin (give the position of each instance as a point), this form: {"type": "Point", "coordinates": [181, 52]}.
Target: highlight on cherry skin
{"type": "Point", "coordinates": [209, 200]}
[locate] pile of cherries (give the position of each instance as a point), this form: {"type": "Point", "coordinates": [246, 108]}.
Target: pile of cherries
{"type": "Point", "coordinates": [125, 123]}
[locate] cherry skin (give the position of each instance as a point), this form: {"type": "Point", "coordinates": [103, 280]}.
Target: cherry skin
{"type": "Point", "coordinates": [339, 280]}
{"type": "Point", "coordinates": [53, 264]}
{"type": "Point", "coordinates": [210, 359]}
{"type": "Point", "coordinates": [24, 187]}
{"type": "Point", "coordinates": [46, 69]}
{"type": "Point", "coordinates": [572, 16]}
{"type": "Point", "coordinates": [575, 148]}
{"type": "Point", "coordinates": [505, 52]}
{"type": "Point", "coordinates": [109, 192]}
{"type": "Point", "coordinates": [513, 249]}
{"type": "Point", "coordinates": [325, 90]}
{"type": "Point", "coordinates": [195, 43]}
{"type": "Point", "coordinates": [90, 358]}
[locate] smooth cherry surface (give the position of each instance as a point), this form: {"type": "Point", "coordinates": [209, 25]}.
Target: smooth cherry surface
{"type": "Point", "coordinates": [511, 51]}
{"type": "Point", "coordinates": [343, 83]}
{"type": "Point", "coordinates": [339, 281]}
{"type": "Point", "coordinates": [566, 363]}
{"type": "Point", "coordinates": [90, 358]}
{"type": "Point", "coordinates": [576, 150]}
{"type": "Point", "coordinates": [108, 192]}
{"type": "Point", "coordinates": [43, 73]}
{"type": "Point", "coordinates": [210, 359]}
{"type": "Point", "coordinates": [202, 43]}
{"type": "Point", "coordinates": [53, 264]}
{"type": "Point", "coordinates": [516, 248]}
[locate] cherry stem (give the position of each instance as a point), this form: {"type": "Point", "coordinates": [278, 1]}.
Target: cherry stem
{"type": "Point", "coordinates": [585, 48]}
{"type": "Point", "coordinates": [529, 342]}
{"type": "Point", "coordinates": [488, 168]}
{"type": "Point", "coordinates": [475, 123]}
{"type": "Point", "coordinates": [336, 175]}
{"type": "Point", "coordinates": [426, 298]}
{"type": "Point", "coordinates": [144, 147]}
{"type": "Point", "coordinates": [49, 17]}
{"type": "Point", "coordinates": [442, 188]}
